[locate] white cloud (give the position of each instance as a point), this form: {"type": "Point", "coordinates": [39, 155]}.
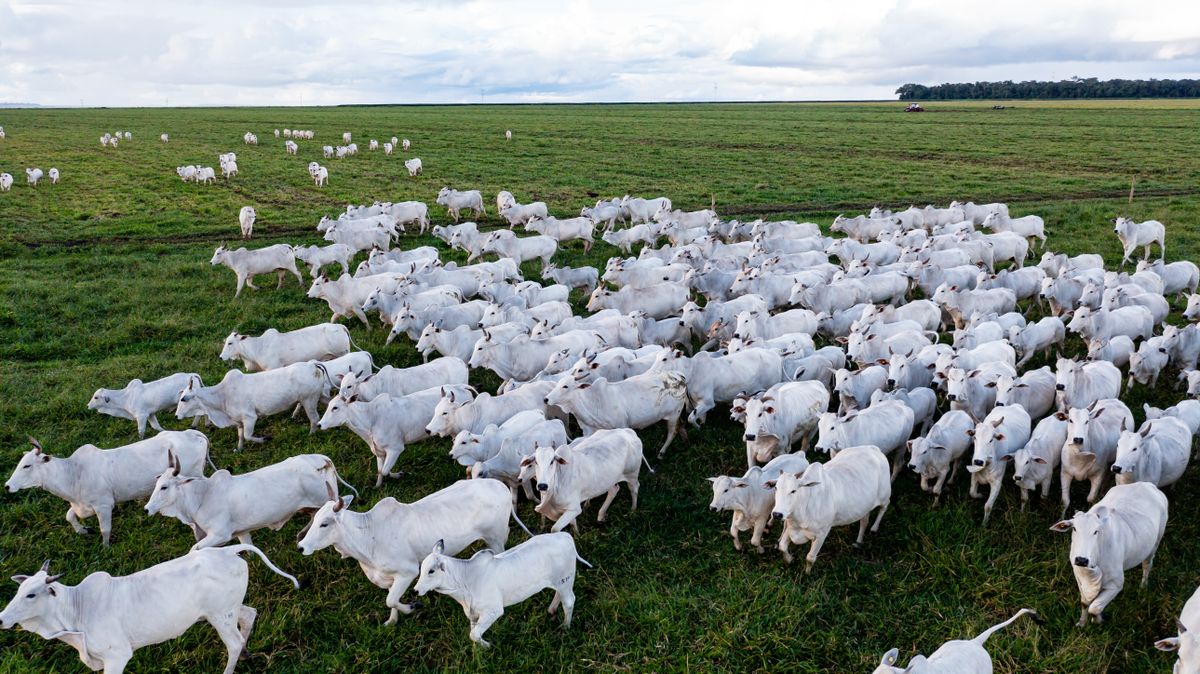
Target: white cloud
{"type": "Point", "coordinates": [288, 52]}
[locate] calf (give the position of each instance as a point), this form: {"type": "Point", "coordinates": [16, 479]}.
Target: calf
{"type": "Point", "coordinates": [1120, 532]}
{"type": "Point", "coordinates": [841, 491]}
{"type": "Point", "coordinates": [936, 455]}
{"type": "Point", "coordinates": [107, 618]}
{"type": "Point", "coordinates": [593, 465]}
{"type": "Point", "coordinates": [222, 506]}
{"type": "Point", "coordinates": [94, 480]}
{"type": "Point", "coordinates": [142, 401]}
{"type": "Point", "coordinates": [388, 540]}
{"type": "Point", "coordinates": [749, 498]}
{"type": "Point", "coordinates": [488, 582]}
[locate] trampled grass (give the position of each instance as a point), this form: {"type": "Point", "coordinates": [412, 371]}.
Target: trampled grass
{"type": "Point", "coordinates": [106, 277]}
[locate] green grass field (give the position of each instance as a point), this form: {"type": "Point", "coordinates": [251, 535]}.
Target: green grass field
{"type": "Point", "coordinates": [105, 277]}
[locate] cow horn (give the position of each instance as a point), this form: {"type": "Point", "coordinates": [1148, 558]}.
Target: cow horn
{"type": "Point", "coordinates": [329, 490]}
{"type": "Point", "coordinates": [54, 578]}
{"type": "Point", "coordinates": [45, 566]}
{"type": "Point", "coordinates": [338, 504]}
{"type": "Point", "coordinates": [37, 448]}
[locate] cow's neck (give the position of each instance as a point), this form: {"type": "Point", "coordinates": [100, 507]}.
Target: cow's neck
{"type": "Point", "coordinates": [358, 537]}
{"type": "Point", "coordinates": [63, 618]}
{"type": "Point", "coordinates": [191, 500]}
{"type": "Point", "coordinates": [60, 476]}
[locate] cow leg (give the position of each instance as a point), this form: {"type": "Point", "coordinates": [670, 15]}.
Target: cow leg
{"type": "Point", "coordinates": [672, 429]}
{"type": "Point", "coordinates": [248, 430]}
{"type": "Point", "coordinates": [1024, 499]}
{"type": "Point", "coordinates": [310, 410]}
{"type": "Point", "coordinates": [246, 617]}
{"type": "Point", "coordinates": [735, 529]}
{"type": "Point", "coordinates": [153, 419]}
{"type": "Point", "coordinates": [250, 282]}
{"type": "Point", "coordinates": [244, 537]}
{"type": "Point", "coordinates": [358, 313]}
{"type": "Point", "coordinates": [1097, 481]}
{"type": "Point", "coordinates": [567, 595]}
{"type": "Point", "coordinates": [482, 622]}
{"type": "Point", "coordinates": [527, 486]}
{"type": "Point", "coordinates": [634, 485]}
{"type": "Point", "coordinates": [141, 426]}
{"type": "Point", "coordinates": [973, 492]}
{"type": "Point", "coordinates": [298, 275]}
{"type": "Point", "coordinates": [785, 541]}
{"type": "Point", "coordinates": [389, 461]}
{"type": "Point", "coordinates": [114, 662]}
{"type": "Point", "coordinates": [104, 514]}
{"type": "Point", "coordinates": [212, 539]}
{"type": "Point", "coordinates": [612, 494]}
{"type": "Point", "coordinates": [862, 530]}
{"type": "Point", "coordinates": [568, 517]}
{"type": "Point", "coordinates": [73, 520]}
{"type": "Point", "coordinates": [814, 550]}
{"type": "Point", "coordinates": [279, 275]}
{"type": "Point", "coordinates": [756, 536]}
{"type": "Point", "coordinates": [241, 283]}
{"type": "Point", "coordinates": [993, 494]}
{"type": "Point", "coordinates": [1146, 566]}
{"type": "Point", "coordinates": [897, 462]}
{"type": "Point", "coordinates": [1102, 600]}
{"type": "Point", "coordinates": [1065, 483]}
{"type": "Point", "coordinates": [399, 586]}
{"type": "Point", "coordinates": [879, 516]}
{"type": "Point", "coordinates": [226, 625]}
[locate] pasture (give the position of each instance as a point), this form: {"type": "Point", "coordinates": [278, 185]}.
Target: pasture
{"type": "Point", "coordinates": [105, 277]}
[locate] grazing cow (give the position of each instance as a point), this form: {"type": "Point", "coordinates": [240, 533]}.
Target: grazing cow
{"type": "Point", "coordinates": [388, 425]}
{"type": "Point", "coordinates": [107, 618]}
{"type": "Point", "coordinates": [1120, 532]}
{"type": "Point", "coordinates": [1091, 447]}
{"type": "Point", "coordinates": [388, 541]}
{"type": "Point", "coordinates": [1035, 463]}
{"type": "Point", "coordinates": [997, 437]}
{"type": "Point", "coordinates": [247, 264]}
{"type": "Point", "coordinates": [488, 582]}
{"type": "Point", "coordinates": [415, 167]}
{"type": "Point", "coordinates": [841, 491]}
{"type": "Point", "coordinates": [960, 656]}
{"type": "Point", "coordinates": [240, 399]}
{"type": "Point", "coordinates": [274, 349]}
{"type": "Point", "coordinates": [569, 475]}
{"type": "Point", "coordinates": [1158, 453]}
{"type": "Point", "coordinates": [222, 506]}
{"type": "Point", "coordinates": [142, 401]}
{"type": "Point", "coordinates": [936, 455]}
{"type": "Point", "coordinates": [1145, 234]}
{"type": "Point", "coordinates": [94, 480]}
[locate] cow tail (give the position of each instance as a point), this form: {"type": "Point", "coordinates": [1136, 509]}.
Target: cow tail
{"type": "Point", "coordinates": [246, 547]}
{"type": "Point", "coordinates": [208, 453]}
{"type": "Point", "coordinates": [324, 371]}
{"type": "Point", "coordinates": [648, 467]}
{"type": "Point", "coordinates": [513, 511]}
{"type": "Point", "coordinates": [584, 561]}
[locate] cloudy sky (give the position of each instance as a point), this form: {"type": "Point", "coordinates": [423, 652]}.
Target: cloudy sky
{"type": "Point", "coordinates": [280, 52]}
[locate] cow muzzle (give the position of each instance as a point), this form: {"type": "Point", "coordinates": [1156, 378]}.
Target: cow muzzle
{"type": "Point", "coordinates": [749, 437]}
{"type": "Point", "coordinates": [1060, 387]}
{"type": "Point", "coordinates": [1077, 441]}
{"type": "Point", "coordinates": [978, 462]}
{"type": "Point", "coordinates": [776, 515]}
{"type": "Point", "coordinates": [545, 401]}
{"type": "Point", "coordinates": [1081, 562]}
{"type": "Point", "coordinates": [891, 383]}
{"type": "Point", "coordinates": [1116, 469]}
{"type": "Point", "coordinates": [542, 486]}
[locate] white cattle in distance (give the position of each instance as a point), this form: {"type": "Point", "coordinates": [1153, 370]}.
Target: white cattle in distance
{"type": "Point", "coordinates": [274, 349]}
{"type": "Point", "coordinates": [142, 401]}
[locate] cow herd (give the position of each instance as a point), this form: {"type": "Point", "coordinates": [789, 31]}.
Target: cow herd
{"type": "Point", "coordinates": [904, 344]}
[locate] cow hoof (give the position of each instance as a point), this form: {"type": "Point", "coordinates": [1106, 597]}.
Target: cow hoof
{"type": "Point", "coordinates": [244, 655]}
{"type": "Point", "coordinates": [416, 605]}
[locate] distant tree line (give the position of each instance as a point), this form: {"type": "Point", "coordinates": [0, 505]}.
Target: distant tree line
{"type": "Point", "coordinates": [1076, 87]}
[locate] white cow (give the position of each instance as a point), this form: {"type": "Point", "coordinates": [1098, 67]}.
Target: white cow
{"type": "Point", "coordinates": [997, 437]}
{"type": "Point", "coordinates": [240, 398]}
{"type": "Point", "coordinates": [388, 425]}
{"type": "Point", "coordinates": [1158, 453]}
{"type": "Point", "coordinates": [142, 401]}
{"type": "Point", "coordinates": [247, 264]}
{"type": "Point", "coordinates": [389, 540]}
{"type": "Point", "coordinates": [94, 480]}
{"type": "Point", "coordinates": [657, 301]}
{"type": "Point", "coordinates": [569, 475]}
{"type": "Point", "coordinates": [785, 413]}
{"type": "Point", "coordinates": [1120, 532]}
{"type": "Point", "coordinates": [1082, 384]}
{"type": "Point", "coordinates": [401, 381]}
{"type": "Point", "coordinates": [223, 506]}
{"type": "Point", "coordinates": [1185, 643]}
{"type": "Point", "coordinates": [520, 249]}
{"type": "Point", "coordinates": [414, 167]}
{"type": "Point", "coordinates": [1091, 447]}
{"type": "Point", "coordinates": [274, 349]}
{"type": "Point", "coordinates": [886, 425]}
{"type": "Point", "coordinates": [841, 491]}
{"type": "Point", "coordinates": [317, 257]}
{"type": "Point", "coordinates": [713, 378]}
{"type": "Point", "coordinates": [749, 498]}
{"type": "Point", "coordinates": [637, 402]}
{"type": "Point", "coordinates": [1145, 234]}
{"type": "Point", "coordinates": [456, 201]}
{"type": "Point", "coordinates": [1035, 463]}
{"type": "Point", "coordinates": [936, 455]}
{"type": "Point", "coordinates": [488, 582]}
{"type": "Point", "coordinates": [246, 218]}
{"type": "Point", "coordinates": [107, 618]}
{"type": "Point", "coordinates": [960, 656]}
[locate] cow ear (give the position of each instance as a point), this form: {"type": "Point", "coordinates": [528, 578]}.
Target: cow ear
{"type": "Point", "coordinates": [889, 658]}
{"type": "Point", "coordinates": [560, 460]}
{"type": "Point", "coordinates": [1170, 644]}
{"type": "Point", "coordinates": [347, 500]}
{"type": "Point", "coordinates": [769, 484]}
{"type": "Point", "coordinates": [19, 578]}
{"type": "Point", "coordinates": [971, 432]}
{"type": "Point", "coordinates": [1062, 526]}
{"type": "Point", "coordinates": [1039, 460]}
